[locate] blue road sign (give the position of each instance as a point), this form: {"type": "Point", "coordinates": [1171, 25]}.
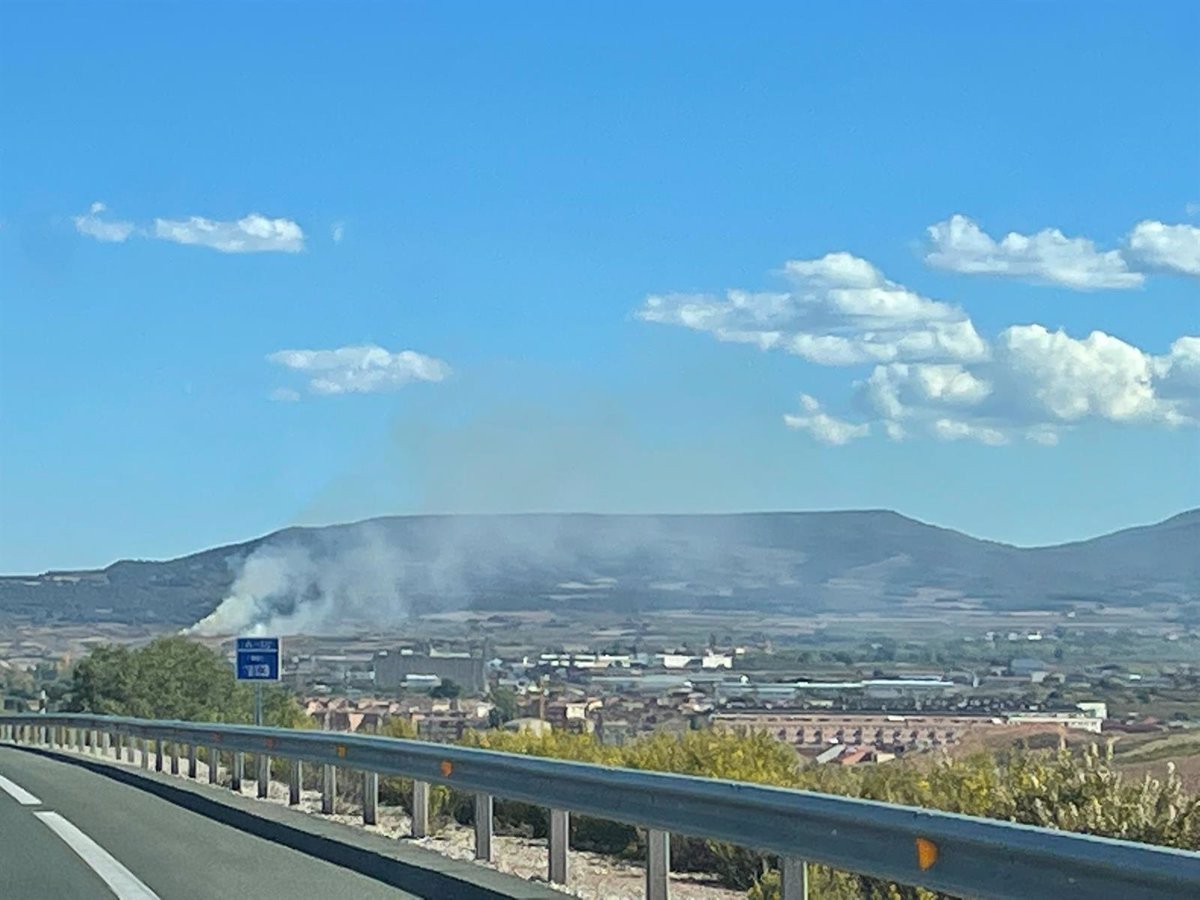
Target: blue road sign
{"type": "Point", "coordinates": [258, 659]}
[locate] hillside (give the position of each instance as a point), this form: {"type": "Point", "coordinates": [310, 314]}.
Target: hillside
{"type": "Point", "coordinates": [804, 561]}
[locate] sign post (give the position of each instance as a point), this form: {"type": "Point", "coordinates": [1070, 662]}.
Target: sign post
{"type": "Point", "coordinates": [258, 661]}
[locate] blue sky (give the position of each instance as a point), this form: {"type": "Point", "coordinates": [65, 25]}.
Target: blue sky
{"type": "Point", "coordinates": [359, 259]}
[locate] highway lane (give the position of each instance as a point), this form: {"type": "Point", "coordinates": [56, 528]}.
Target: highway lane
{"type": "Point", "coordinates": [176, 853]}
{"type": "Point", "coordinates": [34, 863]}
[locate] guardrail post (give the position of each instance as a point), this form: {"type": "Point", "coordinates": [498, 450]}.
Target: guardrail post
{"type": "Point", "coordinates": [420, 809]}
{"type": "Point", "coordinates": [264, 775]}
{"type": "Point", "coordinates": [118, 745]}
{"type": "Point", "coordinates": [80, 739]}
{"type": "Point", "coordinates": [192, 768]}
{"type": "Point", "coordinates": [158, 756]}
{"type": "Point", "coordinates": [483, 827]}
{"type": "Point", "coordinates": [370, 797]}
{"type": "Point", "coordinates": [560, 840]}
{"type": "Point", "coordinates": [658, 863]}
{"type": "Point", "coordinates": [130, 749]}
{"type": "Point", "coordinates": [328, 788]}
{"type": "Point", "coordinates": [793, 878]}
{"type": "Point", "coordinates": [294, 783]}
{"type": "Point", "coordinates": [94, 741]}
{"type": "Point", "coordinates": [235, 779]}
{"type": "Point", "coordinates": [174, 758]}
{"type": "Point", "coordinates": [144, 747]}
{"type": "Point", "coordinates": [214, 763]}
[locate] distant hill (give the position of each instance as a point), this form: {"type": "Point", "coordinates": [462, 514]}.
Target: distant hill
{"type": "Point", "coordinates": [803, 561]}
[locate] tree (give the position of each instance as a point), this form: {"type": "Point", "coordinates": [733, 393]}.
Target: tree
{"type": "Point", "coordinates": [447, 690]}
{"type": "Point", "coordinates": [172, 678]}
{"type": "Point", "coordinates": [504, 707]}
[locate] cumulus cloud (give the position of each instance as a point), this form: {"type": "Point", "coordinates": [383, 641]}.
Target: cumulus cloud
{"type": "Point", "coordinates": [1177, 375]}
{"type": "Point", "coordinates": [1064, 379]}
{"type": "Point", "coordinates": [953, 430]}
{"type": "Point", "coordinates": [822, 426]}
{"type": "Point", "coordinates": [252, 234]}
{"type": "Point", "coordinates": [1166, 248]}
{"type": "Point", "coordinates": [1048, 257]}
{"type": "Point", "coordinates": [107, 230]}
{"type": "Point", "coordinates": [839, 310]}
{"type": "Point", "coordinates": [1036, 383]}
{"type": "Point", "coordinates": [364, 369]}
{"type": "Point", "coordinates": [927, 371]}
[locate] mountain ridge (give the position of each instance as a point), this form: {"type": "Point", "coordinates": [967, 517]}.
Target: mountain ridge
{"type": "Point", "coordinates": [811, 560]}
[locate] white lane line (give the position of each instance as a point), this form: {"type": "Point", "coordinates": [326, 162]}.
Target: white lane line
{"type": "Point", "coordinates": [119, 879]}
{"type": "Point", "coordinates": [18, 793]}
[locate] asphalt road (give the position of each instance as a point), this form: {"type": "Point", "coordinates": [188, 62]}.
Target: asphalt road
{"type": "Point", "coordinates": [139, 845]}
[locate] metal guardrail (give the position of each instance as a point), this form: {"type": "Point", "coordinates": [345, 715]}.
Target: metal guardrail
{"type": "Point", "coordinates": [960, 855]}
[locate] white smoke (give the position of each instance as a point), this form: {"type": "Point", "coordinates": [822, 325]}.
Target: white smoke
{"type": "Point", "coordinates": [381, 573]}
{"type": "Point", "coordinates": [291, 588]}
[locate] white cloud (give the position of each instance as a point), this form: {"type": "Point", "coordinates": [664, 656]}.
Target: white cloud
{"type": "Point", "coordinates": [1177, 376]}
{"type": "Point", "coordinates": [1168, 248]}
{"type": "Point", "coordinates": [822, 426]}
{"type": "Point", "coordinates": [1045, 436]}
{"type": "Point", "coordinates": [338, 232]}
{"type": "Point", "coordinates": [1038, 382]}
{"type": "Point", "coordinates": [285, 395]}
{"type": "Point", "coordinates": [954, 430]}
{"type": "Point", "coordinates": [1048, 257]}
{"type": "Point", "coordinates": [1192, 208]}
{"type": "Point", "coordinates": [362, 369]}
{"type": "Point", "coordinates": [841, 310]}
{"type": "Point", "coordinates": [932, 373]}
{"type": "Point", "coordinates": [1053, 377]}
{"type": "Point", "coordinates": [111, 231]}
{"type": "Point", "coordinates": [892, 390]}
{"type": "Point", "coordinates": [251, 234]}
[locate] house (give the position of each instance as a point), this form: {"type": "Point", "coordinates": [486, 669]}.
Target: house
{"type": "Point", "coordinates": [1024, 667]}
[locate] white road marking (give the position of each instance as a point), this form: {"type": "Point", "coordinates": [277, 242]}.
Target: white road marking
{"type": "Point", "coordinates": [18, 793]}
{"type": "Point", "coordinates": [119, 879]}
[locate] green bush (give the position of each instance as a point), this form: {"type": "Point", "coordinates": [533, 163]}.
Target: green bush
{"type": "Point", "coordinates": [1060, 789]}
{"type": "Point", "coordinates": [173, 678]}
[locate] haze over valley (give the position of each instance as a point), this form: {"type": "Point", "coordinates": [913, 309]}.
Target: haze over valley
{"type": "Point", "coordinates": [381, 572]}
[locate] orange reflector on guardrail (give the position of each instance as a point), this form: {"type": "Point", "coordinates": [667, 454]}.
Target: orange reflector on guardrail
{"type": "Point", "coordinates": [341, 751]}
{"type": "Point", "coordinates": [927, 853]}
{"type": "Point", "coordinates": [447, 768]}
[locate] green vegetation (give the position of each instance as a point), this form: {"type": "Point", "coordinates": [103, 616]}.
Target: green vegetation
{"type": "Point", "coordinates": [172, 678]}
{"type": "Point", "coordinates": [1058, 789]}
{"type": "Point", "coordinates": [1079, 790]}
{"type": "Point", "coordinates": [504, 706]}
{"type": "Point", "coordinates": [446, 690]}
